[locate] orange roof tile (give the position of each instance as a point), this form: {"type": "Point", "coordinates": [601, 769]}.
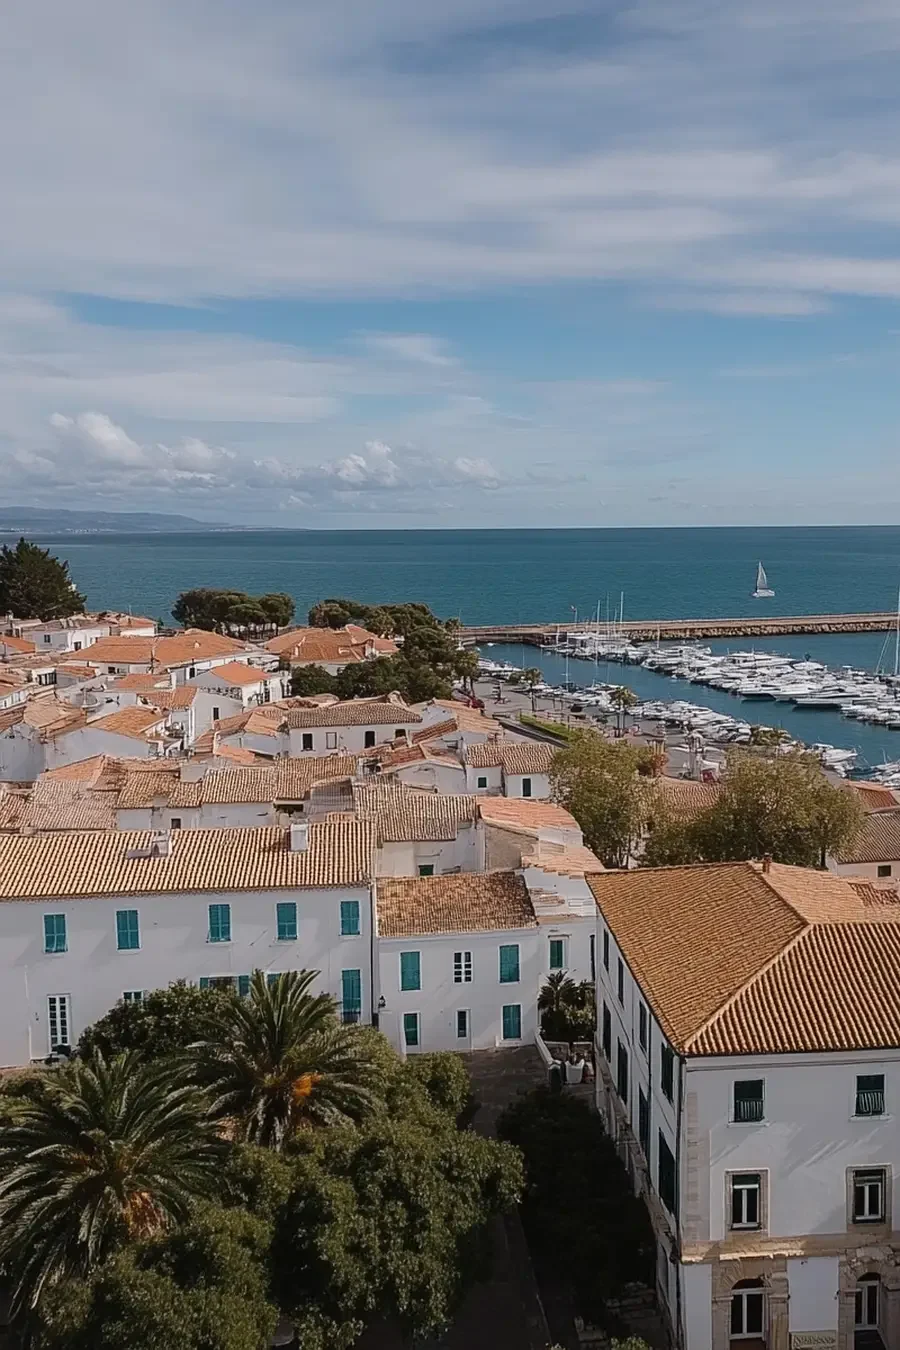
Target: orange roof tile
{"type": "Point", "coordinates": [463, 903]}
{"type": "Point", "coordinates": [236, 672]}
{"type": "Point", "coordinates": [136, 722]}
{"type": "Point", "coordinates": [873, 796]}
{"type": "Point", "coordinates": [17, 644]}
{"type": "Point", "coordinates": [524, 813]}
{"type": "Point", "coordinates": [877, 841]}
{"type": "Point", "coordinates": [163, 653]}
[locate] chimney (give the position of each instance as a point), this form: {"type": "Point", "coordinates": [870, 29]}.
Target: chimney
{"type": "Point", "coordinates": [299, 837]}
{"type": "Point", "coordinates": [767, 862]}
{"type": "Point", "coordinates": [161, 844]}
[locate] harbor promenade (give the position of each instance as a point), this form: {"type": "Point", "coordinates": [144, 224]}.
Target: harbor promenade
{"type": "Point", "coordinates": [647, 630]}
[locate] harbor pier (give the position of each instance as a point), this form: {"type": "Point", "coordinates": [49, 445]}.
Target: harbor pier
{"type": "Point", "coordinates": [683, 630]}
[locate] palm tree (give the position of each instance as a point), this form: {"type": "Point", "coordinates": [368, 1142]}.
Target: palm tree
{"type": "Point", "coordinates": [532, 676]}
{"type": "Point", "coordinates": [107, 1152]}
{"type": "Point", "coordinates": [555, 1002]}
{"type": "Point", "coordinates": [279, 1059]}
{"type": "Point", "coordinates": [622, 698]}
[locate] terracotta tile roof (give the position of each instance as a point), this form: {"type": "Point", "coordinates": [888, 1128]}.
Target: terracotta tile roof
{"type": "Point", "coordinates": [286, 780]}
{"type": "Point", "coordinates": [684, 797]}
{"type": "Point", "coordinates": [877, 841]}
{"type": "Point", "coordinates": [516, 757]}
{"type": "Point", "coordinates": [332, 646]}
{"type": "Point", "coordinates": [406, 814]}
{"type": "Point", "coordinates": [66, 805]}
{"type": "Point", "coordinates": [873, 796]}
{"type": "Point", "coordinates": [84, 770]}
{"type": "Point", "coordinates": [523, 813]}
{"type": "Point", "coordinates": [73, 668]}
{"type": "Point", "coordinates": [17, 644]}
{"type": "Point", "coordinates": [236, 754]}
{"type": "Point", "coordinates": [137, 722]}
{"type": "Point", "coordinates": [875, 893]}
{"type": "Point", "coordinates": [737, 961]}
{"type": "Point", "coordinates": [236, 672]}
{"type": "Point", "coordinates": [194, 644]}
{"type": "Point", "coordinates": [466, 902]}
{"type": "Point", "coordinates": [141, 681]}
{"type": "Point", "coordinates": [88, 864]}
{"type": "Point", "coordinates": [436, 729]}
{"type": "Point", "coordinates": [182, 697]}
{"type": "Point", "coordinates": [358, 712]}
{"type": "Point", "coordinates": [45, 714]}
{"type": "Point", "coordinates": [469, 719]}
{"type": "Point", "coordinates": [568, 860]}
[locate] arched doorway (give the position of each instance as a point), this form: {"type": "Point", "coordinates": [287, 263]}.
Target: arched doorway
{"type": "Point", "coordinates": [868, 1313]}
{"type": "Point", "coordinates": [748, 1315]}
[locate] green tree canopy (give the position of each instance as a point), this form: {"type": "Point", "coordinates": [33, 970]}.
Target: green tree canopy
{"type": "Point", "coordinates": [108, 1152]}
{"type": "Point", "coordinates": [35, 585]}
{"type": "Point", "coordinates": [279, 1058]}
{"type": "Point", "coordinates": [783, 806]}
{"type": "Point", "coordinates": [600, 784]}
{"type": "Point", "coordinates": [163, 1024]}
{"type": "Point", "coordinates": [227, 611]}
{"type": "Point", "coordinates": [307, 680]}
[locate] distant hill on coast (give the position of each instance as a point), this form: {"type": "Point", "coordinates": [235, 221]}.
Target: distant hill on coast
{"type": "Point", "coordinates": [48, 520]}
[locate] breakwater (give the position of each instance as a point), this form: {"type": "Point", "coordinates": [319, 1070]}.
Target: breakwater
{"type": "Point", "coordinates": [677, 630]}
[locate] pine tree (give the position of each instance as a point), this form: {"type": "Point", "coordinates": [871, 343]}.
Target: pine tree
{"type": "Point", "coordinates": [35, 585]}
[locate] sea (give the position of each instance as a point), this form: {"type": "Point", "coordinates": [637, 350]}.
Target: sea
{"type": "Point", "coordinates": [522, 576]}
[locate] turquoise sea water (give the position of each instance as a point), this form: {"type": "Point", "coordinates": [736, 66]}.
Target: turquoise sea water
{"type": "Point", "coordinates": [518, 576]}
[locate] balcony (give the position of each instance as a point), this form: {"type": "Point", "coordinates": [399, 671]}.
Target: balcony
{"type": "Point", "coordinates": [870, 1103]}
{"type": "Point", "coordinates": [748, 1109]}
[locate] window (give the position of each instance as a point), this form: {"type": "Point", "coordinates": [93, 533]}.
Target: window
{"type": "Point", "coordinates": [175, 823]}
{"type": "Point", "coordinates": [884, 869]}
{"type": "Point", "coordinates": [410, 1029]}
{"type": "Point", "coordinates": [512, 1021]}
{"type": "Point", "coordinates": [133, 996]}
{"type": "Point", "coordinates": [462, 1024]}
{"type": "Point", "coordinates": [509, 964]}
{"type": "Point", "coordinates": [620, 981]}
{"type": "Point", "coordinates": [215, 713]}
{"type": "Point", "coordinates": [748, 1100]}
{"type": "Point", "coordinates": [46, 637]}
{"type": "Point", "coordinates": [606, 949]}
{"type": "Point", "coordinates": [462, 967]}
{"type": "Point", "coordinates": [593, 957]}
{"type": "Point", "coordinates": [76, 647]}
{"type": "Point", "coordinates": [526, 787]}
{"type": "Point", "coordinates": [644, 1123]}
{"type": "Point", "coordinates": [243, 986]}
{"type": "Point", "coordinates": [368, 739]}
{"type": "Point", "coordinates": [426, 869]}
{"type": "Point", "coordinates": [286, 917]}
{"type": "Point", "coordinates": [868, 1196]}
{"type": "Point", "coordinates": [351, 995]}
{"type": "Point", "coordinates": [349, 918]}
{"type": "Point", "coordinates": [665, 1174]}
{"type": "Point", "coordinates": [58, 1021]}
{"type": "Point", "coordinates": [330, 740]}
{"type": "Point", "coordinates": [482, 780]}
{"type": "Point", "coordinates": [642, 1025]}
{"type": "Point", "coordinates": [622, 1071]}
{"type": "Point", "coordinates": [746, 1190]}
{"type": "Point", "coordinates": [557, 953]}
{"type": "Point", "coordinates": [410, 970]}
{"type": "Point", "coordinates": [307, 740]}
{"type": "Point", "coordinates": [747, 1310]}
{"type": "Point", "coordinates": [399, 731]}
{"type": "Point", "coordinates": [128, 932]}
{"type": "Point", "coordinates": [866, 1303]}
{"type": "Point", "coordinates": [220, 923]}
{"type": "Point", "coordinates": [667, 1071]}
{"type": "Point", "coordinates": [607, 1034]}
{"type": "Point", "coordinates": [55, 933]}
{"type": "Point", "coordinates": [870, 1094]}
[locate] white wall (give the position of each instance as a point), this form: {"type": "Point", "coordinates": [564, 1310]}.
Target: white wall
{"type": "Point", "coordinates": [174, 946]}
{"type": "Point", "coordinates": [347, 740]}
{"type": "Point", "coordinates": [465, 853]}
{"type": "Point", "coordinates": [22, 754]}
{"type": "Point", "coordinates": [540, 785]}
{"type": "Point", "coordinates": [85, 742]}
{"type": "Point", "coordinates": [867, 871]}
{"type": "Point", "coordinates": [441, 777]}
{"type": "Point", "coordinates": [440, 997]}
{"type": "Point", "coordinates": [493, 774]}
{"type": "Point", "coordinates": [814, 1283]}
{"type": "Point", "coordinates": [697, 1295]}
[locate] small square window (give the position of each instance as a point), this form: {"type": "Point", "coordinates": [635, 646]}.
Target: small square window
{"type": "Point", "coordinates": [749, 1104]}
{"type": "Point", "coordinates": [884, 869]}
{"type": "Point", "coordinates": [869, 1195]}
{"type": "Point", "coordinates": [643, 1022]}
{"type": "Point", "coordinates": [133, 996]}
{"type": "Point", "coordinates": [175, 823]}
{"type": "Point", "coordinates": [307, 740]}
{"type": "Point", "coordinates": [426, 869]}
{"type": "Point", "coordinates": [870, 1094]}
{"type": "Point", "coordinates": [330, 740]}
{"type": "Point", "coordinates": [482, 781]}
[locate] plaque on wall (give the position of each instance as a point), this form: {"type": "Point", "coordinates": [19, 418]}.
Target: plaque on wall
{"type": "Point", "coordinates": [813, 1340]}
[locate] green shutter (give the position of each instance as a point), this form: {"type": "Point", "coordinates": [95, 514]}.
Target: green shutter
{"type": "Point", "coordinates": [272, 976]}
{"type": "Point", "coordinates": [55, 933]}
{"type": "Point", "coordinates": [351, 995]}
{"type": "Point", "coordinates": [349, 918]}
{"type": "Point", "coordinates": [243, 985]}
{"type": "Point", "coordinates": [220, 923]}
{"type": "Point", "coordinates": [287, 921]}
{"type": "Point", "coordinates": [204, 981]}
{"type": "Point", "coordinates": [128, 933]}
{"type": "Point", "coordinates": [410, 1029]}
{"type": "Point", "coordinates": [557, 954]}
{"type": "Point", "coordinates": [426, 869]}
{"type": "Point", "coordinates": [410, 971]}
{"type": "Point", "coordinates": [512, 1021]}
{"type": "Point", "coordinates": [509, 964]}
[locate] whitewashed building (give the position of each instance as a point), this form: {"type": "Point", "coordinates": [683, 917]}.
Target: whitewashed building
{"type": "Point", "coordinates": [242, 684]}
{"type": "Point", "coordinates": [350, 727]}
{"type": "Point", "coordinates": [89, 919]}
{"type": "Point", "coordinates": [749, 1052]}
{"type": "Point", "coordinates": [511, 768]}
{"type": "Point", "coordinates": [459, 959]}
{"type": "Point", "coordinates": [185, 654]}
{"type": "Point", "coordinates": [875, 853]}
{"type": "Point", "coordinates": [421, 833]}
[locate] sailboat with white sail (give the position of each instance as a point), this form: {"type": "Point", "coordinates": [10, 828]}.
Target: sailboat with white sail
{"type": "Point", "coordinates": [763, 589]}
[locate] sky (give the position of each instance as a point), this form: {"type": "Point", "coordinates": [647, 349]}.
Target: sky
{"type": "Point", "coordinates": [476, 263]}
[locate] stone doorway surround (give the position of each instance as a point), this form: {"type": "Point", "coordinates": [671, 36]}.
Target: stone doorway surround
{"type": "Point", "coordinates": [772, 1270]}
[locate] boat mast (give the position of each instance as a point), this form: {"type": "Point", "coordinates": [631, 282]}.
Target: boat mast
{"type": "Point", "coordinates": [897, 641]}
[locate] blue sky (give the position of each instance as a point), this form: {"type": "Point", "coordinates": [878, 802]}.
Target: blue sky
{"type": "Point", "coordinates": [489, 262]}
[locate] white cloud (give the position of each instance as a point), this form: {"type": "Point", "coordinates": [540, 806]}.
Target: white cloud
{"type": "Point", "coordinates": [417, 348]}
